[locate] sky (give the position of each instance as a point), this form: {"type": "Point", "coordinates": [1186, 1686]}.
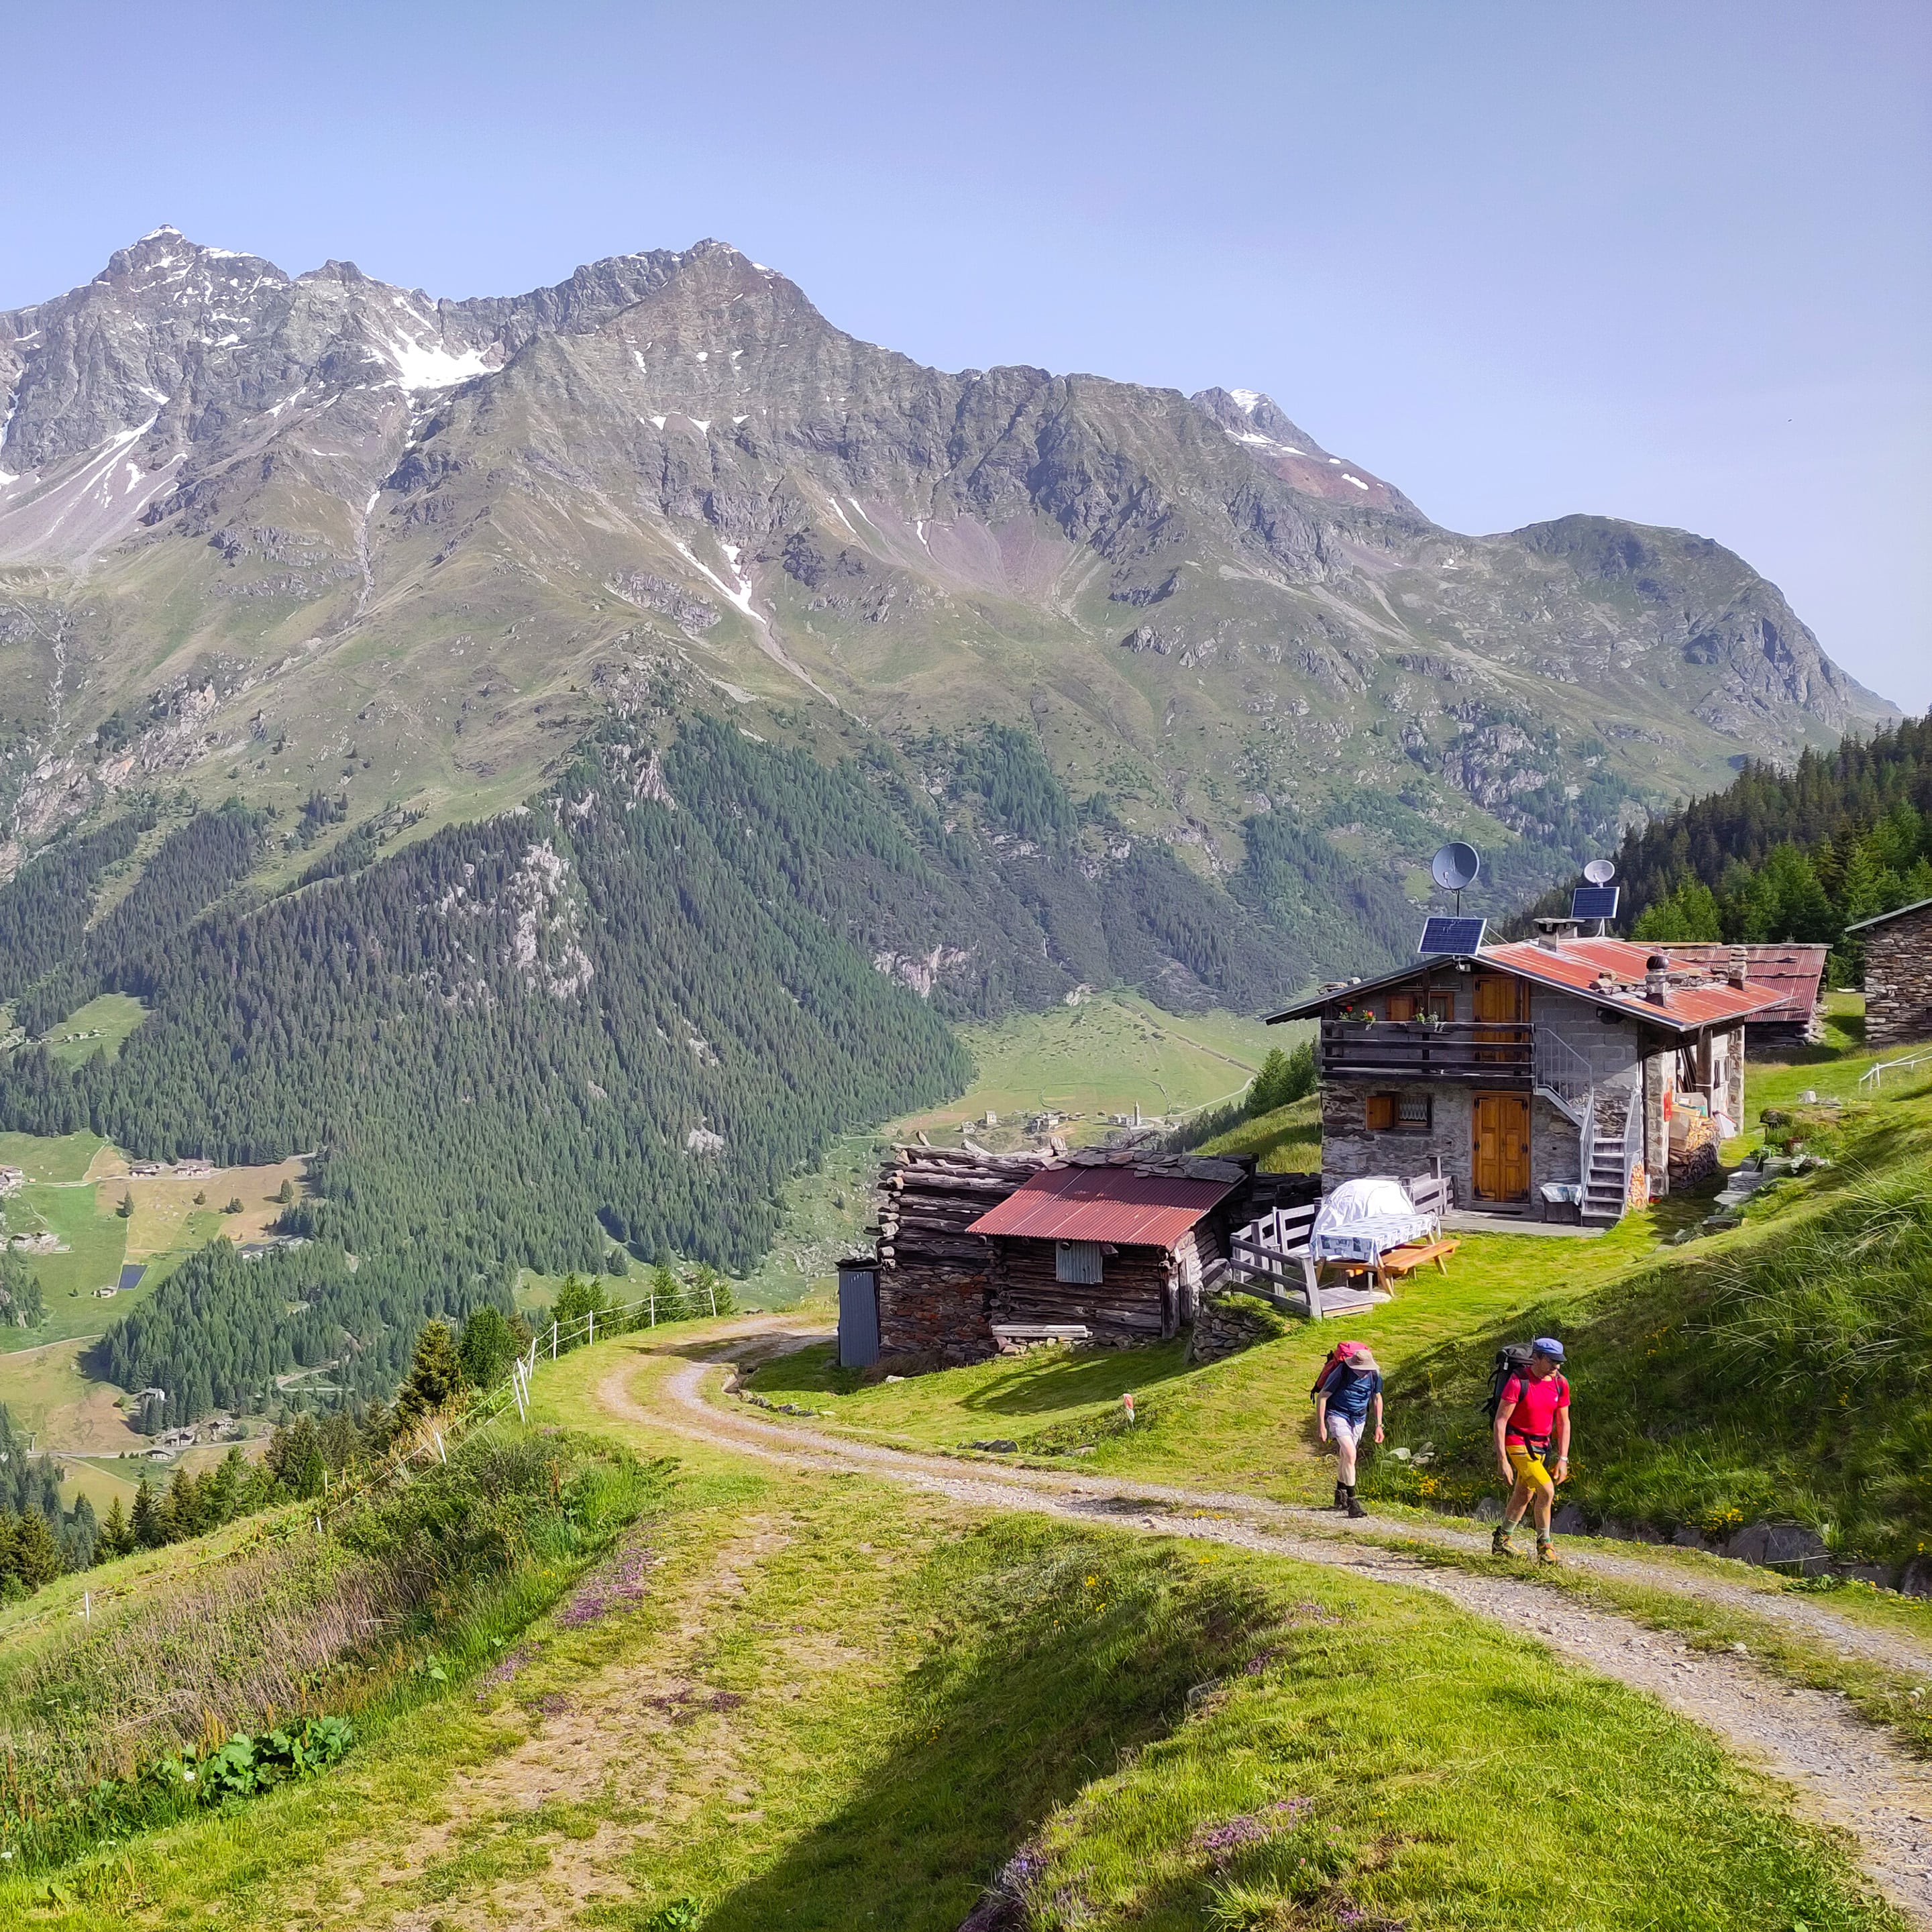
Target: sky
{"type": "Point", "coordinates": [1665, 261]}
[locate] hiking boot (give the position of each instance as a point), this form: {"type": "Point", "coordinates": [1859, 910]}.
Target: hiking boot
{"type": "Point", "coordinates": [1354, 1507]}
{"type": "Point", "coordinates": [1341, 1495]}
{"type": "Point", "coordinates": [1546, 1552]}
{"type": "Point", "coordinates": [1500, 1544]}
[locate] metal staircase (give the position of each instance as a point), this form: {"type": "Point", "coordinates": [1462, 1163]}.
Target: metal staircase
{"type": "Point", "coordinates": [1563, 1077]}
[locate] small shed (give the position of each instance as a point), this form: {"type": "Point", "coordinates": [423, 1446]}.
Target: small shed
{"type": "Point", "coordinates": [1898, 974]}
{"type": "Point", "coordinates": [858, 1313]}
{"type": "Point", "coordinates": [1117, 1251]}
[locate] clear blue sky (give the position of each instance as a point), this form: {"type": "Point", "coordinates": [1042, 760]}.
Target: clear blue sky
{"type": "Point", "coordinates": [1669, 262]}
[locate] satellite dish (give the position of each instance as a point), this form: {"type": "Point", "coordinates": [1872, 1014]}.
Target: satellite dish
{"type": "Point", "coordinates": [1455, 866]}
{"type": "Point", "coordinates": [1599, 871]}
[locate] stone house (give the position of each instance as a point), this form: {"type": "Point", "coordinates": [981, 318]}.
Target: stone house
{"type": "Point", "coordinates": [1594, 1064]}
{"type": "Point", "coordinates": [1898, 974]}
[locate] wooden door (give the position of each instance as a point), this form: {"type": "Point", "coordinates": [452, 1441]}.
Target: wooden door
{"type": "Point", "coordinates": [1502, 1154]}
{"type": "Point", "coordinates": [1505, 1002]}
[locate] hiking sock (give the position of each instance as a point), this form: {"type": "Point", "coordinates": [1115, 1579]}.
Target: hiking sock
{"type": "Point", "coordinates": [1354, 1508]}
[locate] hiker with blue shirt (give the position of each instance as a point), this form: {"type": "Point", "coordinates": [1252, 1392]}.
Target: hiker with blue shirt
{"type": "Point", "coordinates": [1346, 1393]}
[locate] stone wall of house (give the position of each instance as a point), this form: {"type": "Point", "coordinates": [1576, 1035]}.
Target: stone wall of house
{"type": "Point", "coordinates": [933, 1314]}
{"type": "Point", "coordinates": [1612, 1045]}
{"type": "Point", "coordinates": [1349, 1149]}
{"type": "Point", "coordinates": [1555, 1147]}
{"type": "Point", "coordinates": [1898, 980]}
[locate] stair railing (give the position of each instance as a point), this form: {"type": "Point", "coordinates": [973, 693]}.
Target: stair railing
{"type": "Point", "coordinates": [1562, 1074]}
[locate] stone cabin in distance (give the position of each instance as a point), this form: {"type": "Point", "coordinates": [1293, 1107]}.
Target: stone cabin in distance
{"type": "Point", "coordinates": [1596, 1064]}
{"type": "Point", "coordinates": [1898, 974]}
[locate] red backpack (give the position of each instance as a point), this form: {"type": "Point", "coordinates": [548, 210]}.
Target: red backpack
{"type": "Point", "coordinates": [1337, 1355]}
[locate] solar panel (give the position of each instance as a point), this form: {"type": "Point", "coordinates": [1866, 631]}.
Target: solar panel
{"type": "Point", "coordinates": [1595, 902]}
{"type": "Point", "coordinates": [1443, 936]}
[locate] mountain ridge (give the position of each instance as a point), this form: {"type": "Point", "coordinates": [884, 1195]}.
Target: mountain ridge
{"type": "Point", "coordinates": [242, 509]}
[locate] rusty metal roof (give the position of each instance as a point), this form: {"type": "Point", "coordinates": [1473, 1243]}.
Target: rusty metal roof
{"type": "Point", "coordinates": [1103, 1203]}
{"type": "Point", "coordinates": [1610, 971]}
{"type": "Point", "coordinates": [1577, 966]}
{"type": "Point", "coordinates": [1792, 971]}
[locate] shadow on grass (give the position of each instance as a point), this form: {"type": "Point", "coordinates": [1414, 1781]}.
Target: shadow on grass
{"type": "Point", "coordinates": [1057, 1654]}
{"type": "Point", "coordinates": [1042, 1385]}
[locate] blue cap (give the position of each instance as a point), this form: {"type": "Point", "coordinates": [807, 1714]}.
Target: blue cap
{"type": "Point", "coordinates": [1548, 1344]}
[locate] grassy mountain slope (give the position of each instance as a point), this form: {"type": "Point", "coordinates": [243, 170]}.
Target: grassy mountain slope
{"type": "Point", "coordinates": [1775, 1372]}
{"type": "Point", "coordinates": [819, 1700]}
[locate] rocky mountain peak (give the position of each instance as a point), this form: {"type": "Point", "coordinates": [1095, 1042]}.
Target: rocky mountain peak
{"type": "Point", "coordinates": [1263, 428]}
{"type": "Point", "coordinates": [672, 454]}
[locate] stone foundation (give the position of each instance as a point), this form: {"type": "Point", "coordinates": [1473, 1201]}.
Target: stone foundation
{"type": "Point", "coordinates": [1224, 1324]}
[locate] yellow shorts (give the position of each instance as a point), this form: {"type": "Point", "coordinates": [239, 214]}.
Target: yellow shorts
{"type": "Point", "coordinates": [1528, 1468]}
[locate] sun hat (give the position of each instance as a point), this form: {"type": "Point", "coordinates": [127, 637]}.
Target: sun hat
{"type": "Point", "coordinates": [1547, 1344]}
{"type": "Point", "coordinates": [1362, 1356]}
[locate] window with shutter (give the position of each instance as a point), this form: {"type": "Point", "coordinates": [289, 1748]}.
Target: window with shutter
{"type": "Point", "coordinates": [1077, 1261]}
{"type": "Point", "coordinates": [1381, 1112]}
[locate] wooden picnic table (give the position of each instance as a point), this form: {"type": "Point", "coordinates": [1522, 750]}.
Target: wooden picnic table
{"type": "Point", "coordinates": [1399, 1262]}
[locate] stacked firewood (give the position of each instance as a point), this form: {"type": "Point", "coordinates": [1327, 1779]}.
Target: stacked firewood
{"type": "Point", "coordinates": [930, 1196]}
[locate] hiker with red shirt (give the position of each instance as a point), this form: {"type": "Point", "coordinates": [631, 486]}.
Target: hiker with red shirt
{"type": "Point", "coordinates": [1533, 1412]}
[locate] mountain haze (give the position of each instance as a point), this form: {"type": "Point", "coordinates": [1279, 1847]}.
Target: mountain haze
{"type": "Point", "coordinates": [273, 534]}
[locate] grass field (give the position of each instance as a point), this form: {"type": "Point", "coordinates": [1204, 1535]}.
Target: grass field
{"type": "Point", "coordinates": [64, 1159]}
{"type": "Point", "coordinates": [1106, 1055]}
{"type": "Point", "coordinates": [99, 1026]}
{"type": "Point", "coordinates": [167, 1219]}
{"type": "Point", "coordinates": [45, 1390]}
{"type": "Point", "coordinates": [94, 1241]}
{"type": "Point", "coordinates": [1287, 1141]}
{"type": "Point", "coordinates": [832, 1703]}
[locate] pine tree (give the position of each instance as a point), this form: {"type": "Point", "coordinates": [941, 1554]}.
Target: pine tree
{"type": "Point", "coordinates": [436, 1375]}
{"type": "Point", "coordinates": [80, 1536]}
{"type": "Point", "coordinates": [144, 1526]}
{"type": "Point", "coordinates": [487, 1348]}
{"type": "Point", "coordinates": [116, 1539]}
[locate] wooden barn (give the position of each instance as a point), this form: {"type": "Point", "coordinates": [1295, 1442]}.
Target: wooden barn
{"type": "Point", "coordinates": [1103, 1252]}
{"type": "Point", "coordinates": [978, 1252]}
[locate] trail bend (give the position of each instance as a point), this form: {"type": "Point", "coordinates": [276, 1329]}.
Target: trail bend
{"type": "Point", "coordinates": [1844, 1772]}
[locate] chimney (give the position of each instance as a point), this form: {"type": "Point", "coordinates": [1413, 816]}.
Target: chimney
{"type": "Point", "coordinates": [1655, 968]}
{"type": "Point", "coordinates": [1738, 969]}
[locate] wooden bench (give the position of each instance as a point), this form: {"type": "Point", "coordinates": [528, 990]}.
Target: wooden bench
{"type": "Point", "coordinates": [1016, 1337]}
{"type": "Point", "coordinates": [1398, 1263]}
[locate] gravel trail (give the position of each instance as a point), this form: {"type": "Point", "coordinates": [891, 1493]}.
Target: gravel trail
{"type": "Point", "coordinates": [1846, 1772]}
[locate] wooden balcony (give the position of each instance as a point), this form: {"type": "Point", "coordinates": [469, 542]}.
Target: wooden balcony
{"type": "Point", "coordinates": [1404, 1052]}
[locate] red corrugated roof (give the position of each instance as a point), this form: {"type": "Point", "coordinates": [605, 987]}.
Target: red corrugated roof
{"type": "Point", "coordinates": [1103, 1203]}
{"type": "Point", "coordinates": [1575, 963]}
{"type": "Point", "coordinates": [1792, 971]}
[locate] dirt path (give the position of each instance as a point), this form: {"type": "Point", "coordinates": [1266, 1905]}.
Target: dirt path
{"type": "Point", "coordinates": [1847, 1773]}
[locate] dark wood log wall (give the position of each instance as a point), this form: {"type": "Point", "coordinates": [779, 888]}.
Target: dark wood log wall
{"type": "Point", "coordinates": [941, 1289]}
{"type": "Point", "coordinates": [935, 1286]}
